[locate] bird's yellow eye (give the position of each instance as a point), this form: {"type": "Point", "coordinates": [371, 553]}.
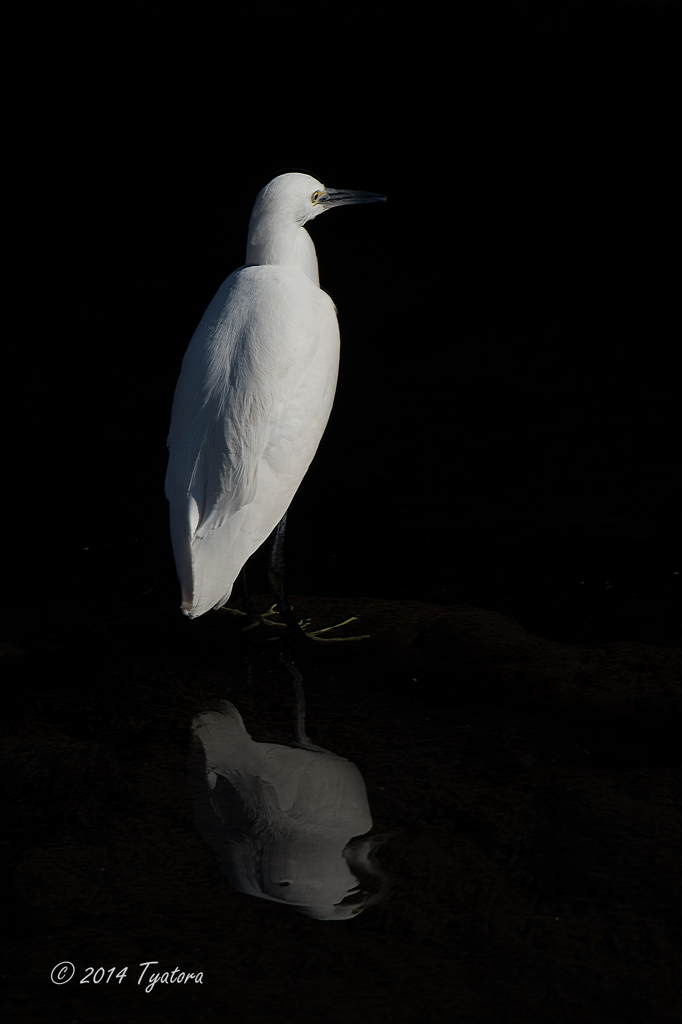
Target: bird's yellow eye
{"type": "Point", "coordinates": [315, 197]}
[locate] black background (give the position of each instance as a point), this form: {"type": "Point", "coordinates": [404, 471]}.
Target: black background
{"type": "Point", "coordinates": [507, 390]}
{"type": "Point", "coordinates": [505, 434]}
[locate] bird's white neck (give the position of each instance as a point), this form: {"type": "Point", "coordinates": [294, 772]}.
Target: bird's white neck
{"type": "Point", "coordinates": [281, 245]}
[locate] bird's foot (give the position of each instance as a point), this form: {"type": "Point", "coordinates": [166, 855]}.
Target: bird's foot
{"type": "Point", "coordinates": [264, 619]}
{"type": "Point", "coordinates": [296, 626]}
{"type": "Point", "coordinates": [314, 634]}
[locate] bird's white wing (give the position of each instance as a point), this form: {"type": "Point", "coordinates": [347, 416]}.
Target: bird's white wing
{"type": "Point", "coordinates": [251, 404]}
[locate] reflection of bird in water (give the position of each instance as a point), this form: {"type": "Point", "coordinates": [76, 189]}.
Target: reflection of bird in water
{"type": "Point", "coordinates": [283, 819]}
{"type": "Point", "coordinates": [253, 398]}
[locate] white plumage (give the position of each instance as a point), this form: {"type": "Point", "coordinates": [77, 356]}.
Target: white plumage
{"type": "Point", "coordinates": [281, 819]}
{"type": "Point", "coordinates": [254, 394]}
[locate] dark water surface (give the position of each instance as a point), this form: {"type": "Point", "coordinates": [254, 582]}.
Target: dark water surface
{"type": "Point", "coordinates": [531, 789]}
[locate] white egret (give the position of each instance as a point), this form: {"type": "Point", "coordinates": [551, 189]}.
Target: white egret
{"type": "Point", "coordinates": [253, 398]}
{"type": "Point", "coordinates": [284, 820]}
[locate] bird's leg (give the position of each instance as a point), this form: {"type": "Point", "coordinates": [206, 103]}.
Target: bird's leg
{"type": "Point", "coordinates": [245, 593]}
{"type": "Point", "coordinates": [252, 619]}
{"type": "Point", "coordinates": [276, 577]}
{"type": "Point", "coordinates": [282, 607]}
{"type": "Point", "coordinates": [301, 739]}
{"type": "Point", "coordinates": [276, 580]}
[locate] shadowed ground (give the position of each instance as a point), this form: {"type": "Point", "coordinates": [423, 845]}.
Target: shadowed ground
{"type": "Point", "coordinates": [532, 788]}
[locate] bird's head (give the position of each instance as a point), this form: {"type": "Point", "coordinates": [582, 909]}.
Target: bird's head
{"type": "Point", "coordinates": [284, 206]}
{"type": "Point", "coordinates": [300, 197]}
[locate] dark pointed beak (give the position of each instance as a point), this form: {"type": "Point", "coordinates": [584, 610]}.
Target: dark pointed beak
{"type": "Point", "coordinates": [345, 197]}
